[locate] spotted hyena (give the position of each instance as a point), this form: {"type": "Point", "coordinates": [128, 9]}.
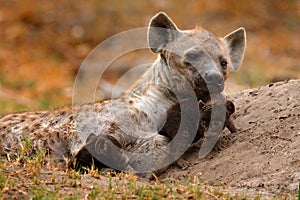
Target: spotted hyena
{"type": "Point", "coordinates": [123, 133]}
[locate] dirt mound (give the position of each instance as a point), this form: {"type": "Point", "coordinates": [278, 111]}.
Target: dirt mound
{"type": "Point", "coordinates": [264, 155]}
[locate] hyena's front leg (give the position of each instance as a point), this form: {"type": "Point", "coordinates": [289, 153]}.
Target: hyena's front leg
{"type": "Point", "coordinates": [150, 156]}
{"type": "Point", "coordinates": [101, 151]}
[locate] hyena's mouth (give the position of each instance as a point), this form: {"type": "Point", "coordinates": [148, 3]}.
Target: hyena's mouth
{"type": "Point", "coordinates": [216, 89]}
{"type": "Point", "coordinates": [211, 86]}
{"type": "Point", "coordinates": [199, 81]}
{"type": "Point", "coordinates": [204, 90]}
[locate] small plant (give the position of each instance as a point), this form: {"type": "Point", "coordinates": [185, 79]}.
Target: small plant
{"type": "Point", "coordinates": [38, 193]}
{"type": "Point", "coordinates": [299, 190]}
{"type": "Point", "coordinates": [258, 196]}
{"type": "Point", "coordinates": [2, 181]}
{"type": "Point", "coordinates": [73, 174]}
{"type": "Point", "coordinates": [93, 193]}
{"type": "Point", "coordinates": [22, 154]}
{"type": "Point", "coordinates": [43, 193]}
{"type": "Point", "coordinates": [110, 183]}
{"type": "Point", "coordinates": [36, 180]}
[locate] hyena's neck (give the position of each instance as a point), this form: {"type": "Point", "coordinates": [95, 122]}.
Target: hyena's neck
{"type": "Point", "coordinates": [156, 90]}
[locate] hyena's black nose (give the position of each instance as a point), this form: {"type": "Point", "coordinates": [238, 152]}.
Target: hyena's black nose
{"type": "Point", "coordinates": [214, 79]}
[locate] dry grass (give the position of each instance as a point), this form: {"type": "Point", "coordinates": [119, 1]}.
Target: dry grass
{"type": "Point", "coordinates": [30, 175]}
{"type": "Point", "coordinates": [25, 178]}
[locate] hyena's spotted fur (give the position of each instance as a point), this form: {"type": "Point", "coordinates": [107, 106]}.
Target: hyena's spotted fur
{"type": "Point", "coordinates": [189, 64]}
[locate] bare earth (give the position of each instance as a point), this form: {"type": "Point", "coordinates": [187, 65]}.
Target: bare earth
{"type": "Point", "coordinates": [264, 155]}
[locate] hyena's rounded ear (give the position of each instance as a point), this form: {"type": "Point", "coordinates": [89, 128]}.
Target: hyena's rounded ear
{"type": "Point", "coordinates": [201, 105]}
{"type": "Point", "coordinates": [161, 31]}
{"type": "Point", "coordinates": [236, 42]}
{"type": "Point", "coordinates": [230, 107]}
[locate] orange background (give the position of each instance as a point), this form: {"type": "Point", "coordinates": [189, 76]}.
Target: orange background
{"type": "Point", "coordinates": [42, 43]}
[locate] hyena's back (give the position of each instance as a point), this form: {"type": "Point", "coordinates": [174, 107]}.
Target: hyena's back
{"type": "Point", "coordinates": [63, 131]}
{"type": "Point", "coordinates": [37, 127]}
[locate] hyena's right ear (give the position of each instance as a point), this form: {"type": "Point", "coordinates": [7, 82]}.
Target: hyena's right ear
{"type": "Point", "coordinates": [161, 31]}
{"type": "Point", "coordinates": [236, 42]}
{"type": "Point", "coordinates": [201, 105]}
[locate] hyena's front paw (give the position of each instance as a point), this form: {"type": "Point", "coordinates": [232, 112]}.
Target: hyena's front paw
{"type": "Point", "coordinates": [101, 152]}
{"type": "Point", "coordinates": [183, 164]}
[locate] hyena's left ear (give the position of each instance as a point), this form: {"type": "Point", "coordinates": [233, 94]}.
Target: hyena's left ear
{"type": "Point", "coordinates": [236, 42]}
{"type": "Point", "coordinates": [230, 107]}
{"type": "Point", "coordinates": [161, 31]}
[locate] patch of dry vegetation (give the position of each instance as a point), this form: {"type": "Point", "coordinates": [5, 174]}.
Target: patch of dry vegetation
{"type": "Point", "coordinates": [29, 175]}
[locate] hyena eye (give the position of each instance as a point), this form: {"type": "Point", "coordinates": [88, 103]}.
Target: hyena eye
{"type": "Point", "coordinates": [187, 63]}
{"type": "Point", "coordinates": [223, 64]}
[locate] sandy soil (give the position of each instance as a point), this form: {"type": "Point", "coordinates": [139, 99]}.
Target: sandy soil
{"type": "Point", "coordinates": [264, 155]}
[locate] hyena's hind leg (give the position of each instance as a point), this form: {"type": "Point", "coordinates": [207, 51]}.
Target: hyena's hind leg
{"type": "Point", "coordinates": [142, 157]}
{"type": "Point", "coordinates": [101, 151]}
{"type": "Point", "coordinates": [59, 150]}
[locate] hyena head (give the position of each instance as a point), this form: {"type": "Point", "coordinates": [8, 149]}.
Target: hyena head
{"type": "Point", "coordinates": [204, 59]}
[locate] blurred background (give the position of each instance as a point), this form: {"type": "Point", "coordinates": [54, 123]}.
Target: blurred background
{"type": "Point", "coordinates": [43, 43]}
